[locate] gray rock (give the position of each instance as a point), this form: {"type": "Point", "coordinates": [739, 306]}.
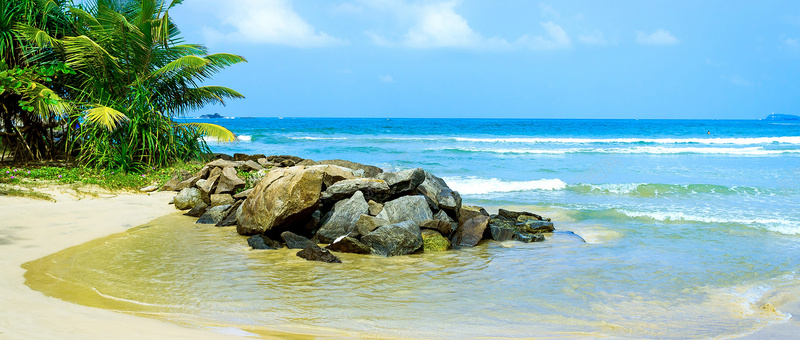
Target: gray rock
{"type": "Point", "coordinates": [407, 208]}
{"type": "Point", "coordinates": [470, 233]}
{"type": "Point", "coordinates": [370, 187]}
{"type": "Point", "coordinates": [231, 215]}
{"type": "Point", "coordinates": [228, 181]}
{"type": "Point", "coordinates": [502, 234]}
{"type": "Point", "coordinates": [443, 216]}
{"type": "Point", "coordinates": [198, 210]}
{"type": "Point", "coordinates": [315, 253]}
{"type": "Point", "coordinates": [263, 242]}
{"type": "Point", "coordinates": [443, 227]}
{"type": "Point", "coordinates": [343, 219]}
{"type": "Point", "coordinates": [368, 170]}
{"type": "Point", "coordinates": [214, 215]}
{"type": "Point", "coordinates": [221, 199]}
{"type": "Point", "coordinates": [514, 215]}
{"type": "Point", "coordinates": [280, 158]}
{"type": "Point", "coordinates": [294, 241]}
{"type": "Point", "coordinates": [527, 237]}
{"type": "Point", "coordinates": [242, 195]}
{"type": "Point", "coordinates": [149, 188]}
{"type": "Point", "coordinates": [203, 173]}
{"type": "Point", "coordinates": [187, 198]}
{"type": "Point", "coordinates": [251, 166]}
{"type": "Point", "coordinates": [442, 196]}
{"type": "Point", "coordinates": [395, 239]}
{"type": "Point", "coordinates": [374, 208]}
{"type": "Point", "coordinates": [220, 163]}
{"type": "Point", "coordinates": [208, 185]}
{"type": "Point", "coordinates": [188, 183]}
{"type": "Point", "coordinates": [402, 181]}
{"type": "Point", "coordinates": [366, 224]}
{"type": "Point", "coordinates": [347, 244]}
{"type": "Point", "coordinates": [467, 212]}
{"type": "Point", "coordinates": [177, 177]}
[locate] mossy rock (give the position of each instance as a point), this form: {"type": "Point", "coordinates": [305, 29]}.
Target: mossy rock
{"type": "Point", "coordinates": [434, 241]}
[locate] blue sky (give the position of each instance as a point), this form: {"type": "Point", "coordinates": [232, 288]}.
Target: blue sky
{"type": "Point", "coordinates": [511, 59]}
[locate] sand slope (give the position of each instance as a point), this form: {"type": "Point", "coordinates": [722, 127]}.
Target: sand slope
{"type": "Point", "coordinates": [31, 229]}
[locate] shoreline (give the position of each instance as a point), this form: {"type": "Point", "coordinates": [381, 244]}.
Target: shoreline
{"type": "Point", "coordinates": [32, 229]}
{"type": "Point", "coordinates": [36, 228]}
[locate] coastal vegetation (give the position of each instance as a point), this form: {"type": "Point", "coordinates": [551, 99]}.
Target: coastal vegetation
{"type": "Point", "coordinates": [102, 84]}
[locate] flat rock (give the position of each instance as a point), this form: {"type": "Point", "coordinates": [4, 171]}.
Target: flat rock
{"type": "Point", "coordinates": [395, 239]}
{"type": "Point", "coordinates": [187, 198]}
{"type": "Point", "coordinates": [343, 218]}
{"type": "Point", "coordinates": [214, 215]}
{"type": "Point", "coordinates": [370, 187]}
{"type": "Point", "coordinates": [221, 199]}
{"type": "Point", "coordinates": [294, 241]}
{"type": "Point", "coordinates": [220, 163]}
{"type": "Point", "coordinates": [250, 165]}
{"type": "Point", "coordinates": [188, 183]}
{"type": "Point", "coordinates": [315, 253]}
{"type": "Point", "coordinates": [513, 215]}
{"type": "Point", "coordinates": [501, 233]}
{"type": "Point", "coordinates": [470, 233]}
{"type": "Point", "coordinates": [536, 226]}
{"type": "Point", "coordinates": [263, 242]}
{"type": "Point", "coordinates": [368, 170]}
{"type": "Point", "coordinates": [149, 188]}
{"type": "Point", "coordinates": [527, 237]}
{"type": "Point", "coordinates": [347, 244]}
{"type": "Point", "coordinates": [198, 210]}
{"type": "Point", "coordinates": [407, 208]}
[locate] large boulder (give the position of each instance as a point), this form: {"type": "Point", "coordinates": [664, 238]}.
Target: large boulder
{"type": "Point", "coordinates": [284, 198]}
{"type": "Point", "coordinates": [343, 218]}
{"type": "Point", "coordinates": [221, 199]}
{"type": "Point", "coordinates": [535, 226]}
{"type": "Point", "coordinates": [198, 210]}
{"type": "Point", "coordinates": [187, 183]}
{"type": "Point", "coordinates": [468, 212]}
{"type": "Point", "coordinates": [514, 215]}
{"type": "Point", "coordinates": [442, 196]}
{"type": "Point", "coordinates": [315, 253]}
{"type": "Point", "coordinates": [332, 174]}
{"type": "Point", "coordinates": [401, 182]}
{"type": "Point", "coordinates": [502, 233]}
{"type": "Point", "coordinates": [370, 187]}
{"type": "Point", "coordinates": [407, 208]}
{"type": "Point", "coordinates": [434, 241]}
{"type": "Point", "coordinates": [347, 244]}
{"type": "Point", "coordinates": [369, 170]}
{"type": "Point", "coordinates": [187, 198]}
{"type": "Point", "coordinates": [294, 241]}
{"type": "Point", "coordinates": [229, 182]}
{"type": "Point", "coordinates": [395, 239]}
{"type": "Point", "coordinates": [470, 233]}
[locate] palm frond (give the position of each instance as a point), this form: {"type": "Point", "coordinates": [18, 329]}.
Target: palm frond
{"type": "Point", "coordinates": [189, 61]}
{"type": "Point", "coordinates": [214, 131]}
{"type": "Point", "coordinates": [37, 36]}
{"type": "Point", "coordinates": [45, 102]}
{"type": "Point", "coordinates": [105, 116]}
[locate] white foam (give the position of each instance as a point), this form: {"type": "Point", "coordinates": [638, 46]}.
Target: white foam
{"type": "Point", "coordinates": [778, 225]}
{"type": "Point", "coordinates": [655, 150]}
{"type": "Point", "coordinates": [244, 138]}
{"type": "Point", "coordinates": [476, 185]}
{"type": "Point", "coordinates": [526, 140]}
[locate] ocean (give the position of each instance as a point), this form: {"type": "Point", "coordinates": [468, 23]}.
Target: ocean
{"type": "Point", "coordinates": [664, 228]}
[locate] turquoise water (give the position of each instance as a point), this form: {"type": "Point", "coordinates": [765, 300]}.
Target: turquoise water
{"type": "Point", "coordinates": [691, 228]}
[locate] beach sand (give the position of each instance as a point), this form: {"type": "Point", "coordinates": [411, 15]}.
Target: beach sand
{"type": "Point", "coordinates": [31, 229]}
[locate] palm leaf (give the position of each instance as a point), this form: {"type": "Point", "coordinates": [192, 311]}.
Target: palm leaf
{"type": "Point", "coordinates": [105, 116]}
{"type": "Point", "coordinates": [189, 61]}
{"type": "Point", "coordinates": [39, 37]}
{"type": "Point", "coordinates": [215, 131]}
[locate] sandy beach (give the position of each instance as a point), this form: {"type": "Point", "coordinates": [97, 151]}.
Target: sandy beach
{"type": "Point", "coordinates": [31, 229]}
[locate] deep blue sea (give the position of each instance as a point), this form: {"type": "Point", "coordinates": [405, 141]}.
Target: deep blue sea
{"type": "Point", "coordinates": [691, 230]}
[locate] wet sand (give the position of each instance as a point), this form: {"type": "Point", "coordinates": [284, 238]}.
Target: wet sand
{"type": "Point", "coordinates": [31, 229]}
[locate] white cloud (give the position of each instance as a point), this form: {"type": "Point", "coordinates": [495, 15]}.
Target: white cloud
{"type": "Point", "coordinates": [792, 43]}
{"type": "Point", "coordinates": [267, 21]}
{"type": "Point", "coordinates": [595, 38]}
{"type": "Point", "coordinates": [548, 11]}
{"type": "Point", "coordinates": [439, 25]}
{"type": "Point", "coordinates": [556, 38]}
{"type": "Point", "coordinates": [659, 37]}
{"type": "Point", "coordinates": [386, 78]}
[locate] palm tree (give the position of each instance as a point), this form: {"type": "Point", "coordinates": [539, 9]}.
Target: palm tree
{"type": "Point", "coordinates": [137, 75]}
{"type": "Point", "coordinates": [31, 106]}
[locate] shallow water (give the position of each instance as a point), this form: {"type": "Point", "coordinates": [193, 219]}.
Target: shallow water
{"type": "Point", "coordinates": [688, 235]}
{"type": "Point", "coordinates": [639, 281]}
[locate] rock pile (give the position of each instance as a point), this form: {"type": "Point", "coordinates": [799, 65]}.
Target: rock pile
{"type": "Point", "coordinates": [351, 207]}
